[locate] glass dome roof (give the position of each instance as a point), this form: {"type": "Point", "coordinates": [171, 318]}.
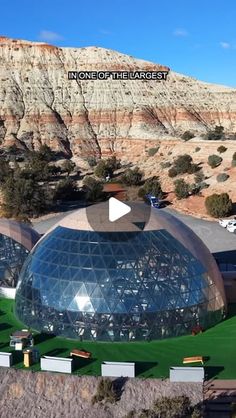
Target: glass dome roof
{"type": "Point", "coordinates": [16, 241]}
{"type": "Point", "coordinates": [120, 286]}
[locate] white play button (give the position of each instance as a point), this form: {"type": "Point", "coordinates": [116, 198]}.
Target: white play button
{"type": "Point", "coordinates": [117, 209]}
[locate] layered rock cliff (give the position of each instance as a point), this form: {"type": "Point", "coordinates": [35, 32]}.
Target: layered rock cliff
{"type": "Point", "coordinates": [38, 104]}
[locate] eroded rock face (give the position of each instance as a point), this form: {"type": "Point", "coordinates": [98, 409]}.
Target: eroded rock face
{"type": "Point", "coordinates": [38, 104]}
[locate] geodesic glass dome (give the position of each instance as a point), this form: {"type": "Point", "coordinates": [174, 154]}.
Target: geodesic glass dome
{"type": "Point", "coordinates": [120, 286]}
{"type": "Point", "coordinates": [16, 241]}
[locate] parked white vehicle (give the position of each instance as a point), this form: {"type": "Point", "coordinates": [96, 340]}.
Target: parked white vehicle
{"type": "Point", "coordinates": [231, 227]}
{"type": "Point", "coordinates": [225, 222]}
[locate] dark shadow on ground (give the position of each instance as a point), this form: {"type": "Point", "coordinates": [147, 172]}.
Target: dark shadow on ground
{"type": "Point", "coordinates": [4, 326]}
{"type": "Point", "coordinates": [55, 352]}
{"type": "Point", "coordinates": [218, 405]}
{"type": "Point", "coordinates": [80, 362]}
{"type": "Point", "coordinates": [118, 385]}
{"type": "Point", "coordinates": [41, 338]}
{"type": "Point", "coordinates": [144, 366]}
{"type": "Point", "coordinates": [212, 371]}
{"type": "Point", "coordinates": [17, 357]}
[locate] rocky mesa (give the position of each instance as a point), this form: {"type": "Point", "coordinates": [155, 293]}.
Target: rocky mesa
{"type": "Point", "coordinates": [39, 105]}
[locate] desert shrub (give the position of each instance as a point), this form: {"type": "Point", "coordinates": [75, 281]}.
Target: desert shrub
{"type": "Point", "coordinates": [183, 163]}
{"type": "Point", "coordinates": [233, 163]}
{"type": "Point", "coordinates": [214, 160]}
{"type": "Point", "coordinates": [222, 177]}
{"type": "Point", "coordinates": [234, 156]}
{"type": "Point", "coordinates": [182, 189]}
{"type": "Point", "coordinates": [199, 176]}
{"type": "Point", "coordinates": [197, 149]}
{"type": "Point", "coordinates": [132, 177]}
{"type": "Point", "coordinates": [68, 167]}
{"type": "Point", "coordinates": [106, 167]}
{"type": "Point", "coordinates": [172, 172]}
{"type": "Point", "coordinates": [66, 189]}
{"type": "Point", "coordinates": [92, 162]}
{"type": "Point", "coordinates": [176, 407]}
{"type": "Point", "coordinates": [194, 188]}
{"type": "Point", "coordinates": [218, 205]}
{"type": "Point", "coordinates": [94, 189]}
{"type": "Point", "coordinates": [101, 169]}
{"type": "Point", "coordinates": [152, 151]}
{"type": "Point", "coordinates": [221, 149]}
{"type": "Point", "coordinates": [203, 185]}
{"type": "Point", "coordinates": [169, 153]}
{"type": "Point", "coordinates": [166, 164]}
{"type": "Point", "coordinates": [216, 134]}
{"type": "Point", "coordinates": [187, 135]}
{"type": "Point", "coordinates": [105, 392]}
{"type": "Point", "coordinates": [25, 197]}
{"type": "Point", "coordinates": [193, 168]}
{"type": "Point", "coordinates": [152, 186]}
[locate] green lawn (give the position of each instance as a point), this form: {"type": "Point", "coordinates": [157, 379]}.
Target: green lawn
{"type": "Point", "coordinates": [153, 359]}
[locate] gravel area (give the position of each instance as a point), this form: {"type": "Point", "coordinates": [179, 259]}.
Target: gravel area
{"type": "Point", "coordinates": [46, 395]}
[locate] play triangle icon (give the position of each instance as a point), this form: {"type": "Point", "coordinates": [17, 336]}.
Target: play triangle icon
{"type": "Point", "coordinates": [117, 209]}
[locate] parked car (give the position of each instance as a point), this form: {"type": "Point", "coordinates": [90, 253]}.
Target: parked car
{"type": "Point", "coordinates": [231, 227]}
{"type": "Point", "coordinates": [154, 201]}
{"type": "Point", "coordinates": [225, 222]}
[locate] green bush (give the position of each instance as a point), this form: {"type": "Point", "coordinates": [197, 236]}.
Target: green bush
{"type": "Point", "coordinates": [66, 189]}
{"type": "Point", "coordinates": [153, 151]}
{"type": "Point", "coordinates": [218, 205]}
{"type": "Point", "coordinates": [151, 186]}
{"type": "Point", "coordinates": [172, 172]}
{"type": "Point", "coordinates": [233, 163]}
{"type": "Point", "coordinates": [92, 162]}
{"type": "Point", "coordinates": [68, 167]}
{"type": "Point", "coordinates": [187, 135]}
{"type": "Point", "coordinates": [203, 185]}
{"type": "Point", "coordinates": [221, 149]}
{"type": "Point", "coordinates": [216, 134]}
{"type": "Point", "coordinates": [193, 168]}
{"type": "Point", "coordinates": [166, 164]}
{"type": "Point", "coordinates": [106, 167]}
{"type": "Point", "coordinates": [105, 392]}
{"type": "Point", "coordinates": [182, 189]}
{"type": "Point", "coordinates": [222, 177]}
{"type": "Point", "coordinates": [94, 189]}
{"type": "Point", "coordinates": [199, 176]}
{"type": "Point", "coordinates": [197, 149]}
{"type": "Point", "coordinates": [234, 156]}
{"type": "Point", "coordinates": [183, 163]}
{"type": "Point", "coordinates": [214, 160]}
{"type": "Point", "coordinates": [132, 177]}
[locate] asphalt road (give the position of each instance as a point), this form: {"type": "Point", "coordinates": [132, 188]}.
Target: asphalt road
{"type": "Point", "coordinates": [216, 238]}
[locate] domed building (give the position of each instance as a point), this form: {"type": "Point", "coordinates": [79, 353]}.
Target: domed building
{"type": "Point", "coordinates": [113, 283]}
{"type": "Point", "coordinates": [16, 241]}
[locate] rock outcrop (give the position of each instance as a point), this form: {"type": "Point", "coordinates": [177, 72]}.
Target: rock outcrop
{"type": "Point", "coordinates": [38, 104]}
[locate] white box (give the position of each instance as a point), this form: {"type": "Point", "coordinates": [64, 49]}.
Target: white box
{"type": "Point", "coordinates": [186, 374]}
{"type": "Point", "coordinates": [5, 359]}
{"type": "Point", "coordinates": [56, 364]}
{"type": "Point", "coordinates": [118, 369]}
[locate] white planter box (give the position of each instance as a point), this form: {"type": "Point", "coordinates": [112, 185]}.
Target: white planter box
{"type": "Point", "coordinates": [186, 374]}
{"type": "Point", "coordinates": [5, 359]}
{"type": "Point", "coordinates": [118, 369]}
{"type": "Point", "coordinates": [56, 364]}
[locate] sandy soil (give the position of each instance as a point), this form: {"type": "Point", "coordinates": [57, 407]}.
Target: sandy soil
{"type": "Point", "coordinates": [46, 395]}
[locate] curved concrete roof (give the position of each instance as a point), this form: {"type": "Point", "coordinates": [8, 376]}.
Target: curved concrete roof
{"type": "Point", "coordinates": [19, 232]}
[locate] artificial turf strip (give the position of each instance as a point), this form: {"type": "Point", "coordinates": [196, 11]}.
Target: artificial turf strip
{"type": "Point", "coordinates": [152, 359]}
